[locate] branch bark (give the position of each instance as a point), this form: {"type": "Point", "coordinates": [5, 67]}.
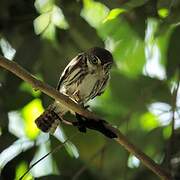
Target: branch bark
{"type": "Point", "coordinates": [50, 91]}
{"type": "Point", "coordinates": [171, 140]}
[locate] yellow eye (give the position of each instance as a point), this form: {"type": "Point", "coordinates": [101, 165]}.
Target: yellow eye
{"type": "Point", "coordinates": [94, 60]}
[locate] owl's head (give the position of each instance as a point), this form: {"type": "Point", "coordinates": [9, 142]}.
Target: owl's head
{"type": "Point", "coordinates": [99, 58]}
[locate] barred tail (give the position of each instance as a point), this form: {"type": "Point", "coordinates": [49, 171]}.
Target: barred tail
{"type": "Point", "coordinates": [48, 120]}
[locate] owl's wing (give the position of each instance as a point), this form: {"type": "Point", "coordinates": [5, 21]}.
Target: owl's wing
{"type": "Point", "coordinates": [103, 85]}
{"type": "Point", "coordinates": [71, 69]}
{"type": "Point", "coordinates": [99, 87]}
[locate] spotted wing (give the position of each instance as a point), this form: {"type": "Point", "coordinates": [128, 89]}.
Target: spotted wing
{"type": "Point", "coordinates": [99, 87]}
{"type": "Point", "coordinates": [104, 83]}
{"type": "Point", "coordinates": [72, 72]}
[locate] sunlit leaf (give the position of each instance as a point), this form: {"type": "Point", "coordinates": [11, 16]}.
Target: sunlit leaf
{"type": "Point", "coordinates": [164, 8]}
{"type": "Point", "coordinates": [16, 124]}
{"type": "Point", "coordinates": [153, 66]}
{"type": "Point", "coordinates": [21, 169]}
{"type": "Point", "coordinates": [114, 13]}
{"type": "Point", "coordinates": [46, 166]}
{"type": "Point", "coordinates": [42, 138]}
{"type": "Point", "coordinates": [49, 33]}
{"type": "Point", "coordinates": [13, 150]}
{"type": "Point", "coordinates": [94, 12]}
{"type": "Point", "coordinates": [128, 46]}
{"type": "Point", "coordinates": [133, 162]}
{"type": "Point", "coordinates": [70, 147]}
{"type": "Point", "coordinates": [148, 121]}
{"type": "Point", "coordinates": [44, 5]}
{"type": "Point", "coordinates": [162, 111]}
{"type": "Point", "coordinates": [167, 131]}
{"type": "Point", "coordinates": [42, 22]}
{"type": "Point", "coordinates": [28, 88]}
{"type": "Point", "coordinates": [163, 13]}
{"type": "Point", "coordinates": [46, 22]}
{"type": "Point", "coordinates": [7, 50]}
{"type": "Point", "coordinates": [58, 18]}
{"type": "Point", "coordinates": [30, 112]}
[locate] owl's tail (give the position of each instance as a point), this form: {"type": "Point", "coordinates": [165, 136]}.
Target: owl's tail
{"type": "Point", "coordinates": [49, 120]}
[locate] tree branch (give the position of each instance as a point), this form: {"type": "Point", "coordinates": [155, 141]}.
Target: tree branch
{"type": "Point", "coordinates": [121, 139]}
{"type": "Point", "coordinates": [173, 105]}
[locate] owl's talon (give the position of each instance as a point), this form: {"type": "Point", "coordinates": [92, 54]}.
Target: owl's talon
{"type": "Point", "coordinates": [82, 128]}
{"type": "Point", "coordinates": [80, 123]}
{"type": "Point", "coordinates": [99, 125]}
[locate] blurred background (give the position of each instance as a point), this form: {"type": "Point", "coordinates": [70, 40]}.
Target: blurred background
{"type": "Point", "coordinates": [142, 99]}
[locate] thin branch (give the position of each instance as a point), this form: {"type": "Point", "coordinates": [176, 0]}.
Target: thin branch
{"type": "Point", "coordinates": [50, 152]}
{"type": "Point", "coordinates": [171, 140]}
{"type": "Point", "coordinates": [174, 100]}
{"type": "Point", "coordinates": [121, 139]}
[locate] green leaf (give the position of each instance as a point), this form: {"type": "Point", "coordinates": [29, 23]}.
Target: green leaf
{"type": "Point", "coordinates": [133, 162]}
{"type": "Point", "coordinates": [7, 50]}
{"type": "Point", "coordinates": [163, 13]}
{"type": "Point", "coordinates": [58, 18]}
{"type": "Point", "coordinates": [114, 13]}
{"type": "Point", "coordinates": [28, 88]}
{"type": "Point", "coordinates": [16, 124]}
{"type": "Point", "coordinates": [30, 112]}
{"type": "Point", "coordinates": [44, 6]}
{"type": "Point", "coordinates": [21, 169]}
{"type": "Point", "coordinates": [14, 150]}
{"type": "Point", "coordinates": [167, 132]}
{"type": "Point", "coordinates": [164, 8]}
{"type": "Point", "coordinates": [94, 12]}
{"type": "Point", "coordinates": [46, 166]}
{"type": "Point", "coordinates": [70, 147]}
{"type": "Point", "coordinates": [149, 121]}
{"type": "Point", "coordinates": [50, 32]}
{"type": "Point", "coordinates": [42, 22]}
{"type": "Point", "coordinates": [127, 46]}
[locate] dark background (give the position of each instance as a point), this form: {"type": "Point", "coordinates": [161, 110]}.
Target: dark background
{"type": "Point", "coordinates": [43, 36]}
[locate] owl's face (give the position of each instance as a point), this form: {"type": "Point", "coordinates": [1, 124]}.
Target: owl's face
{"type": "Point", "coordinates": [99, 60]}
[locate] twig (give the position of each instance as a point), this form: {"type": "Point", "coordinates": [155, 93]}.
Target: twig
{"type": "Point", "coordinates": [50, 152]}
{"type": "Point", "coordinates": [171, 140]}
{"type": "Point", "coordinates": [121, 139]}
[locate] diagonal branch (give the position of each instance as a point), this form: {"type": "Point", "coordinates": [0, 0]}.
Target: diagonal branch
{"type": "Point", "coordinates": [121, 139]}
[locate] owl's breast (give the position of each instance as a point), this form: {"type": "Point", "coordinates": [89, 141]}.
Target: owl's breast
{"type": "Point", "coordinates": [83, 91]}
{"type": "Point", "coordinates": [87, 86]}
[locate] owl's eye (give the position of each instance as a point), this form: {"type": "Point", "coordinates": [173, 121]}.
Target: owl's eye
{"type": "Point", "coordinates": [94, 60]}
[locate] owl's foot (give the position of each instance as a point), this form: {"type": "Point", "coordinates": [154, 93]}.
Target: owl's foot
{"type": "Point", "coordinates": [80, 123]}
{"type": "Point", "coordinates": [98, 125]}
{"type": "Point", "coordinates": [81, 120]}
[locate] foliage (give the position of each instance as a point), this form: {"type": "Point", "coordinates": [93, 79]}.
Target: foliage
{"type": "Point", "coordinates": [42, 36]}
